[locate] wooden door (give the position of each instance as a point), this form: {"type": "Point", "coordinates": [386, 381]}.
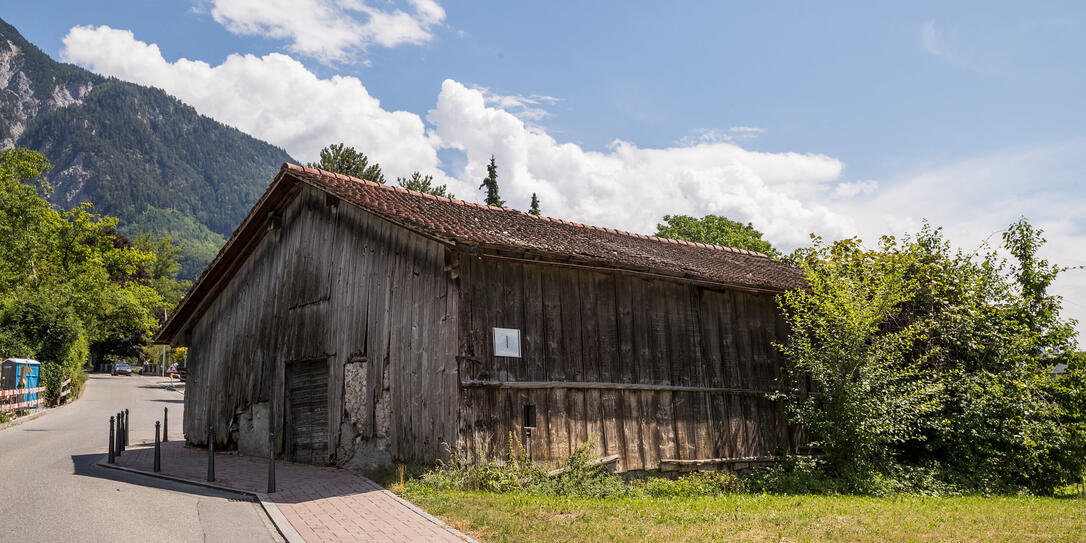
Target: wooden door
{"type": "Point", "coordinates": [307, 405]}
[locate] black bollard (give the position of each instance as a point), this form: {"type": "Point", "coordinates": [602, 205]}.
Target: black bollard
{"type": "Point", "coordinates": [126, 427]}
{"type": "Point", "coordinates": [158, 451]}
{"type": "Point", "coordinates": [211, 453]}
{"type": "Point", "coordinates": [271, 462]}
{"type": "Point", "coordinates": [112, 442]}
{"type": "Point", "coordinates": [120, 432]}
{"type": "Point", "coordinates": [117, 448]}
{"type": "Point", "coordinates": [165, 423]}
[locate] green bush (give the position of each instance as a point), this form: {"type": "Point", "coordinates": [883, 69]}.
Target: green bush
{"type": "Point", "coordinates": [918, 368]}
{"type": "Point", "coordinates": [518, 473]}
{"type": "Point", "coordinates": [801, 475]}
{"type": "Point", "coordinates": [580, 477]}
{"type": "Point", "coordinates": [515, 472]}
{"type": "Point", "coordinates": [702, 483]}
{"type": "Point", "coordinates": [39, 325]}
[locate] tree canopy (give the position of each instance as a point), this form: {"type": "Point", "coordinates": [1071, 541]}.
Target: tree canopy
{"type": "Point", "coordinates": [420, 183]}
{"type": "Point", "coordinates": [340, 158]}
{"type": "Point", "coordinates": [71, 286]}
{"type": "Point", "coordinates": [913, 358]}
{"type": "Point", "coordinates": [715, 230]}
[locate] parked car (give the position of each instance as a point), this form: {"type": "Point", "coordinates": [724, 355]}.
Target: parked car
{"type": "Point", "coordinates": [120, 368]}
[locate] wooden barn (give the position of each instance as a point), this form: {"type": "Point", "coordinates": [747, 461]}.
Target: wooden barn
{"type": "Point", "coordinates": [363, 324]}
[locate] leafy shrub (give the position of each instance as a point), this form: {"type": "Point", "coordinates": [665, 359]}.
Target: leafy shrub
{"type": "Point", "coordinates": [847, 344]}
{"type": "Point", "coordinates": [917, 368]}
{"type": "Point", "coordinates": [804, 475]}
{"type": "Point", "coordinates": [515, 472]}
{"type": "Point", "coordinates": [579, 476]}
{"type": "Point", "coordinates": [702, 483]}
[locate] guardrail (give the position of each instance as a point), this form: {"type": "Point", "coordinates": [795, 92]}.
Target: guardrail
{"type": "Point", "coordinates": [13, 394]}
{"type": "Point", "coordinates": [65, 390]}
{"type": "Point", "coordinates": [8, 397]}
{"type": "Point", "coordinates": [18, 391]}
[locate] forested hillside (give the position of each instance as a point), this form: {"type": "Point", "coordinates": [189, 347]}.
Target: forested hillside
{"type": "Point", "coordinates": [135, 152]}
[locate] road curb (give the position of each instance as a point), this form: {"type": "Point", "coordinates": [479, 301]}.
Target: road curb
{"type": "Point", "coordinates": [27, 418]}
{"type": "Point", "coordinates": [278, 519]}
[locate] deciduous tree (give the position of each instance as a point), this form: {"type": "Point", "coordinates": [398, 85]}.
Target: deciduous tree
{"type": "Point", "coordinates": [715, 230]}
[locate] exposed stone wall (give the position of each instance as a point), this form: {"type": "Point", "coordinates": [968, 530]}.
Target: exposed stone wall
{"type": "Point", "coordinates": [364, 437]}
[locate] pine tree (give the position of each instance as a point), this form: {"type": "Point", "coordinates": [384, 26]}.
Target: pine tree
{"type": "Point", "coordinates": [534, 209]}
{"type": "Point", "coordinates": [424, 183]}
{"type": "Point", "coordinates": [491, 184]}
{"type": "Point", "coordinates": [339, 158]}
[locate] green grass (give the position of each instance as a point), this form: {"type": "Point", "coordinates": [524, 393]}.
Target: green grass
{"type": "Point", "coordinates": [498, 517]}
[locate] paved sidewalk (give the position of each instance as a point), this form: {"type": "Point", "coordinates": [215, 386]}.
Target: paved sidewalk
{"type": "Point", "coordinates": [321, 503]}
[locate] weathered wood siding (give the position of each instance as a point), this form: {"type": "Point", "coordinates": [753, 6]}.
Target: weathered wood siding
{"type": "Point", "coordinates": [653, 369]}
{"type": "Point", "coordinates": [333, 282]}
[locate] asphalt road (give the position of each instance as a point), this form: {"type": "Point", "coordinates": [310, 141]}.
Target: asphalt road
{"type": "Point", "coordinates": [51, 489]}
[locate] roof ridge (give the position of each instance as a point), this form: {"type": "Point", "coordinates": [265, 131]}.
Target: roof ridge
{"type": "Point", "coordinates": [318, 171]}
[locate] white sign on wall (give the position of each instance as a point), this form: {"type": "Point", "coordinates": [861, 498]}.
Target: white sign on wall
{"type": "Point", "coordinates": [507, 342]}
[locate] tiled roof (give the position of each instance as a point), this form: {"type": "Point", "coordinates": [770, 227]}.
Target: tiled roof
{"type": "Point", "coordinates": [496, 228]}
{"type": "Point", "coordinates": [510, 229]}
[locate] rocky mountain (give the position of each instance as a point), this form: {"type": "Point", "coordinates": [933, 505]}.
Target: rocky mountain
{"type": "Point", "coordinates": [135, 152]}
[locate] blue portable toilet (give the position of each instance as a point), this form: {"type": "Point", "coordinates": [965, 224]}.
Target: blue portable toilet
{"type": "Point", "coordinates": [20, 373]}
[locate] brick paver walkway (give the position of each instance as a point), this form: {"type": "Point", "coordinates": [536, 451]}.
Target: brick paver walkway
{"type": "Point", "coordinates": [322, 503]}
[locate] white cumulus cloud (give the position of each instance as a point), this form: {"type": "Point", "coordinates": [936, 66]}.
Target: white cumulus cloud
{"type": "Point", "coordinates": [274, 98]}
{"type": "Point", "coordinates": [974, 199]}
{"type": "Point", "coordinates": [329, 30]}
{"type": "Point", "coordinates": [277, 99]}
{"type": "Point", "coordinates": [630, 187]}
{"type": "Point", "coordinates": [529, 108]}
{"type": "Point", "coordinates": [854, 188]}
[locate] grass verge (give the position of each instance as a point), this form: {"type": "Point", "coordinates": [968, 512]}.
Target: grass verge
{"type": "Point", "coordinates": [529, 517]}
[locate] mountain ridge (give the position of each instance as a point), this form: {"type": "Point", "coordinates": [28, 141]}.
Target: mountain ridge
{"type": "Point", "coordinates": [135, 152]}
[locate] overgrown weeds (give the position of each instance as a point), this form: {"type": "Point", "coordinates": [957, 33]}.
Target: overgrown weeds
{"type": "Point", "coordinates": [583, 476]}
{"type": "Point", "coordinates": [579, 476]}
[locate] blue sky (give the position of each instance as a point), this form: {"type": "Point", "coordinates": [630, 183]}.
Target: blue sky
{"type": "Point", "coordinates": [844, 119]}
{"type": "Point", "coordinates": [853, 81]}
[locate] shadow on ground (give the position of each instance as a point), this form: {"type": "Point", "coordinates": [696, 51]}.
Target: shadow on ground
{"type": "Point", "coordinates": [295, 483]}
{"type": "Point", "coordinates": [86, 465]}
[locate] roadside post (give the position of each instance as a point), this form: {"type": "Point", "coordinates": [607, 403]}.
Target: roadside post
{"type": "Point", "coordinates": [112, 443]}
{"type": "Point", "coordinates": [119, 448]}
{"type": "Point", "coordinates": [158, 450]}
{"type": "Point", "coordinates": [271, 462]}
{"type": "Point", "coordinates": [211, 454]}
